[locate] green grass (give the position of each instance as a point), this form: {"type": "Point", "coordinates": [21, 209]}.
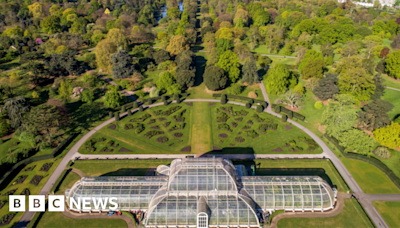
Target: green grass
{"type": "Point", "coordinates": [34, 190]}
{"type": "Point", "coordinates": [10, 65]}
{"type": "Point", "coordinates": [370, 178]}
{"type": "Point", "coordinates": [138, 167]}
{"type": "Point", "coordinates": [292, 167]}
{"type": "Point", "coordinates": [352, 215]}
{"type": "Point", "coordinates": [391, 82]}
{"type": "Point", "coordinates": [51, 220]}
{"type": "Point", "coordinates": [264, 143]}
{"type": "Point", "coordinates": [201, 141]}
{"type": "Point", "coordinates": [67, 183]}
{"type": "Point", "coordinates": [262, 49]}
{"type": "Point", "coordinates": [392, 96]}
{"type": "Point", "coordinates": [11, 145]}
{"type": "Point", "coordinates": [390, 211]}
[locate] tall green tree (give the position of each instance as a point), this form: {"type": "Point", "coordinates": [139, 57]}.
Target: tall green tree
{"type": "Point", "coordinates": [357, 83]}
{"type": "Point", "coordinates": [112, 98]}
{"type": "Point", "coordinates": [215, 78]}
{"type": "Point", "coordinates": [279, 79]}
{"type": "Point", "coordinates": [230, 64]}
{"type": "Point", "coordinates": [250, 75]}
{"type": "Point", "coordinates": [327, 87]}
{"type": "Point", "coordinates": [15, 108]}
{"type": "Point", "coordinates": [393, 64]}
{"type": "Point", "coordinates": [374, 114]}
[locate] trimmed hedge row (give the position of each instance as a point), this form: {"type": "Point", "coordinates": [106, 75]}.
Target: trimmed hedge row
{"type": "Point", "coordinates": [247, 99]}
{"type": "Point", "coordinates": [167, 97]}
{"type": "Point", "coordinates": [290, 113]}
{"type": "Point", "coordinates": [370, 160]}
{"type": "Point", "coordinates": [60, 180]}
{"type": "Point", "coordinates": [10, 174]}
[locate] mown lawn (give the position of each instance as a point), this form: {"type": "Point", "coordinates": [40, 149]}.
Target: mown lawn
{"type": "Point", "coordinates": [293, 167]}
{"type": "Point", "coordinates": [261, 144]}
{"type": "Point", "coordinates": [67, 183]}
{"type": "Point", "coordinates": [391, 82]}
{"type": "Point", "coordinates": [393, 96]}
{"type": "Point", "coordinates": [51, 220]}
{"type": "Point", "coordinates": [370, 178]}
{"type": "Point", "coordinates": [352, 215]}
{"type": "Point", "coordinates": [390, 211]}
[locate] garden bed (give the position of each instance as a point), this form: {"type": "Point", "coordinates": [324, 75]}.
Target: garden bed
{"type": "Point", "coordinates": [178, 134]}
{"type": "Point", "coordinates": [277, 150]}
{"type": "Point", "coordinates": [2, 203]}
{"type": "Point", "coordinates": [112, 127]}
{"type": "Point", "coordinates": [288, 127]}
{"type": "Point", "coordinates": [223, 136]}
{"type": "Point", "coordinates": [124, 150]}
{"type": "Point", "coordinates": [239, 139]}
{"type": "Point", "coordinates": [162, 139]}
{"type": "Point", "coordinates": [29, 168]}
{"type": "Point", "coordinates": [36, 179]}
{"type": "Point", "coordinates": [186, 149]}
{"type": "Point", "coordinates": [6, 219]}
{"type": "Point", "coordinates": [11, 192]}
{"type": "Point", "coordinates": [46, 167]}
{"type": "Point", "coordinates": [20, 179]}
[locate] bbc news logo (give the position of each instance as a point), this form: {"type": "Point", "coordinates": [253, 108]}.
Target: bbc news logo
{"type": "Point", "coordinates": [56, 203]}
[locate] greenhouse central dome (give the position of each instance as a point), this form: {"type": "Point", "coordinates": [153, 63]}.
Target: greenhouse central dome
{"type": "Point", "coordinates": [207, 192]}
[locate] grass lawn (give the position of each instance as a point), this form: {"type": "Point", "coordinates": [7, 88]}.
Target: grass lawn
{"type": "Point", "coordinates": [201, 140]}
{"type": "Point", "coordinates": [262, 49]}
{"type": "Point", "coordinates": [261, 144]}
{"type": "Point", "coordinates": [11, 145]}
{"type": "Point", "coordinates": [289, 61]}
{"type": "Point", "coordinates": [68, 182]}
{"type": "Point", "coordinates": [390, 212]}
{"type": "Point", "coordinates": [370, 178]}
{"type": "Point", "coordinates": [352, 215]}
{"type": "Point", "coordinates": [391, 82]}
{"type": "Point", "coordinates": [293, 167]}
{"type": "Point", "coordinates": [34, 190]}
{"type": "Point", "coordinates": [393, 96]}
{"type": "Point", "coordinates": [138, 167]}
{"type": "Point", "coordinates": [51, 220]}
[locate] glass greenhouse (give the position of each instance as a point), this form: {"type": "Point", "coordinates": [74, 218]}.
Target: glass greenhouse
{"type": "Point", "coordinates": [206, 192]}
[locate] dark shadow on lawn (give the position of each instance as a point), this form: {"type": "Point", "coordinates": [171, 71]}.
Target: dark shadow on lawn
{"type": "Point", "coordinates": [128, 172]}
{"type": "Point", "coordinates": [200, 67]}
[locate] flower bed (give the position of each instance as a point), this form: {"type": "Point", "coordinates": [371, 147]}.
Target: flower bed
{"type": "Point", "coordinates": [239, 139]}
{"type": "Point", "coordinates": [46, 167]}
{"type": "Point", "coordinates": [152, 133]}
{"type": "Point", "coordinates": [151, 121]}
{"type": "Point", "coordinates": [2, 203]}
{"type": "Point", "coordinates": [265, 127]}
{"type": "Point", "coordinates": [11, 192]}
{"type": "Point", "coordinates": [20, 179]}
{"type": "Point", "coordinates": [162, 139]}
{"type": "Point", "coordinates": [261, 120]}
{"type": "Point", "coordinates": [223, 136]}
{"type": "Point", "coordinates": [6, 219]}
{"type": "Point", "coordinates": [178, 134]}
{"type": "Point", "coordinates": [167, 112]}
{"type": "Point", "coordinates": [36, 179]}
{"type": "Point", "coordinates": [29, 168]}
{"type": "Point", "coordinates": [141, 119]}
{"type": "Point", "coordinates": [222, 118]}
{"type": "Point", "coordinates": [251, 134]}
{"type": "Point", "coordinates": [138, 127]}
{"type": "Point", "coordinates": [224, 127]}
{"type": "Point", "coordinates": [234, 124]}
{"type": "Point", "coordinates": [177, 126]}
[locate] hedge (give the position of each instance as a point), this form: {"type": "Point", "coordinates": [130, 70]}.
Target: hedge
{"type": "Point", "coordinates": [10, 174]}
{"type": "Point", "coordinates": [370, 160]}
{"type": "Point", "coordinates": [153, 99]}
{"type": "Point", "coordinates": [288, 112]}
{"type": "Point", "coordinates": [247, 99]}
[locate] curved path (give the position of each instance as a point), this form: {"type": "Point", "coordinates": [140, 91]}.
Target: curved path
{"type": "Point", "coordinates": [338, 208]}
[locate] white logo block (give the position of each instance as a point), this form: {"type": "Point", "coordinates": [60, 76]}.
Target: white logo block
{"type": "Point", "coordinates": [56, 203]}
{"type": "Point", "coordinates": [37, 203]}
{"type": "Point", "coordinates": [16, 203]}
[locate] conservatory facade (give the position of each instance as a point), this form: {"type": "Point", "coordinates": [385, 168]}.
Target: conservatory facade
{"type": "Point", "coordinates": [207, 192]}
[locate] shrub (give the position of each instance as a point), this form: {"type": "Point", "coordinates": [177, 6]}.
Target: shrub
{"type": "Point", "coordinates": [259, 109]}
{"type": "Point", "coordinates": [278, 109]}
{"type": "Point", "coordinates": [223, 99]}
{"type": "Point", "coordinates": [153, 133]}
{"type": "Point", "coordinates": [165, 103]}
{"type": "Point", "coordinates": [284, 117]}
{"type": "Point", "coordinates": [382, 152]}
{"type": "Point", "coordinates": [129, 112]}
{"type": "Point", "coordinates": [251, 133]}
{"type": "Point", "coordinates": [318, 105]}
{"type": "Point", "coordinates": [135, 104]}
{"type": "Point", "coordinates": [123, 110]}
{"type": "Point", "coordinates": [149, 101]}
{"type": "Point", "coordinates": [239, 139]}
{"type": "Point", "coordinates": [177, 99]}
{"type": "Point", "coordinates": [265, 127]}
{"type": "Point", "coordinates": [116, 116]}
{"type": "Point", "coordinates": [163, 98]}
{"type": "Point", "coordinates": [224, 126]}
{"type": "Point", "coordinates": [141, 109]}
{"type": "Point", "coordinates": [223, 118]}
{"type": "Point", "coordinates": [4, 127]}
{"type": "Point", "coordinates": [248, 105]}
{"type": "Point", "coordinates": [111, 114]}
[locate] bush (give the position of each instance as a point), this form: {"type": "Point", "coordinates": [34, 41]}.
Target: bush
{"type": "Point", "coordinates": [259, 109]}
{"type": "Point", "coordinates": [111, 114]}
{"type": "Point", "coordinates": [149, 101]}
{"type": "Point", "coordinates": [116, 116]}
{"type": "Point", "coordinates": [284, 117]}
{"type": "Point", "coordinates": [129, 112]}
{"type": "Point", "coordinates": [318, 105]}
{"type": "Point", "coordinates": [177, 99]}
{"type": "Point", "coordinates": [163, 98]}
{"type": "Point", "coordinates": [251, 101]}
{"type": "Point", "coordinates": [135, 104]}
{"type": "Point", "coordinates": [141, 109]}
{"type": "Point", "coordinates": [251, 133]}
{"type": "Point", "coordinates": [382, 152]}
{"type": "Point", "coordinates": [4, 126]}
{"type": "Point", "coordinates": [123, 109]}
{"type": "Point", "coordinates": [223, 99]}
{"type": "Point", "coordinates": [248, 105]}
{"type": "Point", "coordinates": [165, 103]}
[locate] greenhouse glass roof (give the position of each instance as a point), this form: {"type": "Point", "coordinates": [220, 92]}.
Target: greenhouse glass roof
{"type": "Point", "coordinates": [208, 186]}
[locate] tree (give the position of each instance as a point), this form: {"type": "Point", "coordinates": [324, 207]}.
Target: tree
{"type": "Point", "coordinates": [215, 78]}
{"type": "Point", "coordinates": [223, 45]}
{"type": "Point", "coordinates": [241, 14]}
{"type": "Point", "coordinates": [230, 64]}
{"type": "Point", "coordinates": [314, 68]}
{"type": "Point", "coordinates": [112, 98]}
{"type": "Point", "coordinates": [384, 52]}
{"type": "Point", "coordinates": [185, 78]}
{"type": "Point", "coordinates": [291, 98]}
{"type": "Point", "coordinates": [250, 75]}
{"type": "Point", "coordinates": [310, 55]}
{"type": "Point", "coordinates": [166, 80]}
{"type": "Point", "coordinates": [327, 87]}
{"type": "Point", "coordinates": [177, 44]}
{"type": "Point", "coordinates": [36, 9]}
{"type": "Point", "coordinates": [35, 70]}
{"type": "Point", "coordinates": [122, 65]}
{"type": "Point", "coordinates": [154, 92]}
{"type": "Point", "coordinates": [355, 140]}
{"type": "Point", "coordinates": [65, 91]}
{"type": "Point", "coordinates": [388, 136]}
{"type": "Point", "coordinates": [104, 50]}
{"type": "Point", "coordinates": [234, 89]}
{"type": "Point", "coordinates": [51, 24]}
{"type": "Point", "coordinates": [339, 116]}
{"type": "Point", "coordinates": [161, 56]}
{"type": "Point", "coordinates": [87, 96]}
{"type": "Point", "coordinates": [379, 87]}
{"type": "Point", "coordinates": [396, 42]}
{"type": "Point", "coordinates": [374, 114]}
{"type": "Point", "coordinates": [4, 127]}
{"type": "Point", "coordinates": [174, 89]}
{"type": "Point", "coordinates": [393, 64]}
{"type": "Point", "coordinates": [279, 79]}
{"type": "Point", "coordinates": [378, 27]}
{"type": "Point", "coordinates": [357, 83]}
{"type": "Point", "coordinates": [117, 36]}
{"type": "Point", "coordinates": [45, 118]}
{"type": "Point", "coordinates": [173, 12]}
{"type": "Point", "coordinates": [64, 64]}
{"type": "Point", "coordinates": [15, 109]}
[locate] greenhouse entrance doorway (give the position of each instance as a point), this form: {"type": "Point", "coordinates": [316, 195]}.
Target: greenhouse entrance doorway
{"type": "Point", "coordinates": [202, 220]}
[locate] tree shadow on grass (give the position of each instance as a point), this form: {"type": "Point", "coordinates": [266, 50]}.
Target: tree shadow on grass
{"type": "Point", "coordinates": [83, 115]}
{"type": "Point", "coordinates": [128, 172]}
{"type": "Point", "coordinates": [200, 67]}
